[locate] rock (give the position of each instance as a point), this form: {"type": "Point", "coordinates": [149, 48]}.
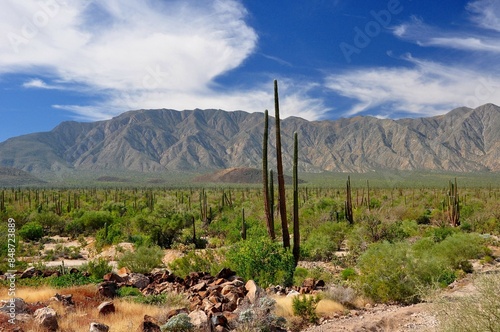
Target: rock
{"type": "Point", "coordinates": [219, 319]}
{"type": "Point", "coordinates": [66, 300]}
{"type": "Point", "coordinates": [123, 272]}
{"type": "Point", "coordinates": [98, 327]}
{"type": "Point", "coordinates": [113, 277]}
{"type": "Point", "coordinates": [292, 293]}
{"type": "Point", "coordinates": [149, 325]}
{"type": "Point", "coordinates": [309, 283]}
{"type": "Point", "coordinates": [199, 287]}
{"type": "Point", "coordinates": [253, 291]}
{"type": "Point", "coordinates": [137, 280]}
{"type": "Point", "coordinates": [175, 312]}
{"type": "Point", "coordinates": [319, 284]}
{"type": "Point", "coordinates": [199, 319]}
{"type": "Point", "coordinates": [46, 317]}
{"type": "Point", "coordinates": [28, 273]}
{"type": "Point", "coordinates": [15, 305]}
{"type": "Point", "coordinates": [225, 273]}
{"type": "Point", "coordinates": [106, 308]}
{"type": "Point", "coordinates": [107, 289]}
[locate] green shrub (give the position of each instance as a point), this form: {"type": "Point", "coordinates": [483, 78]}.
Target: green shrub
{"type": "Point", "coordinates": [348, 274]}
{"type": "Point", "coordinates": [98, 268]}
{"type": "Point", "coordinates": [402, 272]}
{"type": "Point", "coordinates": [70, 280]}
{"type": "Point", "coordinates": [324, 241]}
{"type": "Point", "coordinates": [299, 276]}
{"type": "Point", "coordinates": [262, 260]}
{"type": "Point", "coordinates": [31, 231]}
{"type": "Point", "coordinates": [143, 260]}
{"type": "Point", "coordinates": [128, 291]}
{"type": "Point", "coordinates": [197, 261]}
{"type": "Point", "coordinates": [94, 220]}
{"type": "Point", "coordinates": [304, 306]}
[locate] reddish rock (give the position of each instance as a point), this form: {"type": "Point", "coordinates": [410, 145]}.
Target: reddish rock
{"type": "Point", "coordinates": [113, 277]}
{"type": "Point", "coordinates": [107, 289]}
{"type": "Point", "coordinates": [106, 308]}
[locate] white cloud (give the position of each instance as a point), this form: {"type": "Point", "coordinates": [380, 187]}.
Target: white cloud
{"type": "Point", "coordinates": [425, 88]}
{"type": "Point", "coordinates": [485, 13]}
{"type": "Point", "coordinates": [37, 84]}
{"type": "Point", "coordinates": [139, 54]}
{"type": "Point", "coordinates": [294, 101]}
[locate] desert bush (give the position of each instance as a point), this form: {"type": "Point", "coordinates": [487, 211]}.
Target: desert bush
{"type": "Point", "coordinates": [128, 291]}
{"type": "Point", "coordinates": [31, 231]}
{"type": "Point", "coordinates": [97, 268]}
{"type": "Point", "coordinates": [343, 295]}
{"type": "Point", "coordinates": [259, 316]}
{"type": "Point", "coordinates": [403, 273]}
{"type": "Point", "coordinates": [262, 260]}
{"type": "Point", "coordinates": [143, 260]}
{"type": "Point", "coordinates": [197, 261]}
{"type": "Point", "coordinates": [94, 220]}
{"type": "Point", "coordinates": [324, 241]}
{"type": "Point", "coordinates": [458, 248]}
{"type": "Point", "coordinates": [348, 273]}
{"type": "Point", "coordinates": [51, 222]}
{"type": "Point", "coordinates": [477, 312]}
{"type": "Point", "coordinates": [304, 306]}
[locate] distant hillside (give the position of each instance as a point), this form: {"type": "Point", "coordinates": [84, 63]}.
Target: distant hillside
{"type": "Point", "coordinates": [12, 177]}
{"type": "Point", "coordinates": [237, 175]}
{"type": "Point", "coordinates": [463, 140]}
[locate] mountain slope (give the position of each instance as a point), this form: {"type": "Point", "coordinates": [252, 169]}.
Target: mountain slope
{"type": "Point", "coordinates": [158, 140]}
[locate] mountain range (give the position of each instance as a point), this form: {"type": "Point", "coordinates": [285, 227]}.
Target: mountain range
{"type": "Point", "coordinates": [462, 140]}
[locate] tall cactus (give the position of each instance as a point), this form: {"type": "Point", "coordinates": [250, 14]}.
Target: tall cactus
{"type": "Point", "coordinates": [281, 178]}
{"type": "Point", "coordinates": [348, 203]}
{"type": "Point", "coordinates": [271, 196]}
{"type": "Point", "coordinates": [296, 230]}
{"type": "Point", "coordinates": [453, 204]}
{"type": "Point", "coordinates": [267, 209]}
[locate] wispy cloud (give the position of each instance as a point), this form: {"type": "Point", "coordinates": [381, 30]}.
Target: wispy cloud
{"type": "Point", "coordinates": [38, 84]}
{"type": "Point", "coordinates": [425, 35]}
{"type": "Point", "coordinates": [424, 88]}
{"type": "Point", "coordinates": [485, 13]}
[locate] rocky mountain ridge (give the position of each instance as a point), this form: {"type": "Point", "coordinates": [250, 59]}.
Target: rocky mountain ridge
{"type": "Point", "coordinates": [462, 140]}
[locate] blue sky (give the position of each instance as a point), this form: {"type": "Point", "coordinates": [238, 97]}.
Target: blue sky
{"type": "Point", "coordinates": [91, 60]}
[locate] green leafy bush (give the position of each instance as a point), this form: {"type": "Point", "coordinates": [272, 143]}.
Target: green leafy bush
{"type": "Point", "coordinates": [262, 260]}
{"type": "Point", "coordinates": [401, 272]}
{"type": "Point", "coordinates": [324, 241]}
{"type": "Point", "coordinates": [31, 231]}
{"type": "Point", "coordinates": [143, 260]}
{"type": "Point", "coordinates": [197, 261]}
{"type": "Point", "coordinates": [304, 306]}
{"type": "Point", "coordinates": [98, 268]}
{"type": "Point", "coordinates": [128, 291]}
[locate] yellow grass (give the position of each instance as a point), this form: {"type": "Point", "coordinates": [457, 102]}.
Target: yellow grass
{"type": "Point", "coordinates": [325, 308]}
{"type": "Point", "coordinates": [128, 315]}
{"type": "Point", "coordinates": [30, 294]}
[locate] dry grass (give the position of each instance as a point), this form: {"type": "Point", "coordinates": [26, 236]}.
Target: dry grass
{"type": "Point", "coordinates": [325, 308]}
{"type": "Point", "coordinates": [128, 315]}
